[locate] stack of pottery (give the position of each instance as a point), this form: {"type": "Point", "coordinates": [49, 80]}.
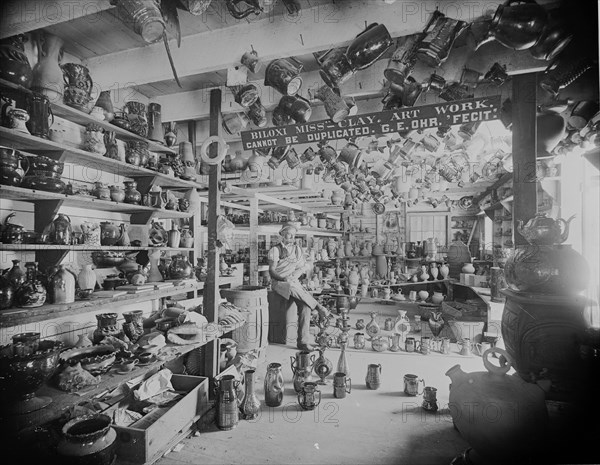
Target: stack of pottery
{"type": "Point", "coordinates": [13, 166]}
{"type": "Point", "coordinates": [44, 173]}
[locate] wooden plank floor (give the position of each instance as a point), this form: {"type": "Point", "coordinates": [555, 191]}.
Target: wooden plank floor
{"type": "Point", "coordinates": [380, 427]}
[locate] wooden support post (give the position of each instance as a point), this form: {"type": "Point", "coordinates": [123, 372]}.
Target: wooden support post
{"type": "Point", "coordinates": [253, 241]}
{"type": "Point", "coordinates": [524, 150]}
{"type": "Point", "coordinates": [211, 287]}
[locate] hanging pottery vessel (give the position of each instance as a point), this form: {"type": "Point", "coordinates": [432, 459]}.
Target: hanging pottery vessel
{"type": "Point", "coordinates": [368, 46]}
{"type": "Point", "coordinates": [284, 75]}
{"type": "Point", "coordinates": [440, 34]}
{"type": "Point", "coordinates": [251, 61]}
{"type": "Point", "coordinates": [403, 60]}
{"type": "Point", "coordinates": [517, 25]}
{"type": "Point", "coordinates": [335, 106]}
{"type": "Point", "coordinates": [143, 16]}
{"type": "Point", "coordinates": [257, 113]}
{"type": "Point", "coordinates": [296, 107]}
{"type": "Point", "coordinates": [335, 67]}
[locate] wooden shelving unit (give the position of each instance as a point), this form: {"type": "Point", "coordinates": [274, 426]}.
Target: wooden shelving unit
{"type": "Point", "coordinates": [28, 144]}
{"type": "Point", "coordinates": [16, 316]}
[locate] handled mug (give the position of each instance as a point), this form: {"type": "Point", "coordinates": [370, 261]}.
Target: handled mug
{"type": "Point", "coordinates": [411, 385]}
{"type": "Point", "coordinates": [342, 385]}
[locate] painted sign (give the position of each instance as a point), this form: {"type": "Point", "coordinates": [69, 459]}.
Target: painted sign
{"type": "Point", "coordinates": [423, 117]}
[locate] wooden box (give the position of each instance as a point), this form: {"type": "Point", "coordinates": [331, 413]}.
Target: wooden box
{"type": "Point", "coordinates": [149, 437]}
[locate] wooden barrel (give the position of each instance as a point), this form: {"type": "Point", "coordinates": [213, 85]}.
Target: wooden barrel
{"type": "Point", "coordinates": [253, 299]}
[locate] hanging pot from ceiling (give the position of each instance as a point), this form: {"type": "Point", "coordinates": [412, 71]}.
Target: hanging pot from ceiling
{"type": "Point", "coordinates": [440, 34]}
{"type": "Point", "coordinates": [296, 107]}
{"type": "Point", "coordinates": [403, 60]}
{"type": "Point", "coordinates": [517, 24]}
{"type": "Point", "coordinates": [253, 7]}
{"type": "Point", "coordinates": [553, 40]}
{"type": "Point", "coordinates": [335, 67]}
{"type": "Point", "coordinates": [368, 46]}
{"type": "Point", "coordinates": [551, 129]}
{"type": "Point", "coordinates": [284, 75]}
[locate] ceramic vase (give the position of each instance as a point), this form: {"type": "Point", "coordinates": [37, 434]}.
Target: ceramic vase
{"type": "Point", "coordinates": [250, 405]}
{"type": "Point", "coordinates": [86, 277]}
{"type": "Point", "coordinates": [274, 385]}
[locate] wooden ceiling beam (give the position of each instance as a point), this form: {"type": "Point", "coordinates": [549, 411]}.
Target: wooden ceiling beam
{"type": "Point", "coordinates": [21, 16]}
{"type": "Point", "coordinates": [311, 32]}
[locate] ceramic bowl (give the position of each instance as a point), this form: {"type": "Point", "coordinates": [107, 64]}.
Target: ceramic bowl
{"type": "Point", "coordinates": [96, 359]}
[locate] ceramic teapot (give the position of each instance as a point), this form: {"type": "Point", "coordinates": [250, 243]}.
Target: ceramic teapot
{"type": "Point", "coordinates": [542, 230]}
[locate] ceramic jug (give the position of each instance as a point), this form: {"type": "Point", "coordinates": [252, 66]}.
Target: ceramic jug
{"type": "Point", "coordinates": [61, 231]}
{"type": "Point", "coordinates": [62, 286]}
{"type": "Point", "coordinates": [373, 378]}
{"type": "Point", "coordinates": [517, 24]}
{"type": "Point", "coordinates": [498, 438]}
{"type": "Point", "coordinates": [227, 402]}
{"type": "Point", "coordinates": [284, 75]}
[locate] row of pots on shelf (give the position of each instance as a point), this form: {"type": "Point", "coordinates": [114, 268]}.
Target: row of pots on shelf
{"type": "Point", "coordinates": [31, 288]}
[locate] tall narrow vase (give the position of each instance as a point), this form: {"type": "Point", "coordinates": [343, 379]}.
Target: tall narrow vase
{"type": "Point", "coordinates": [250, 405]}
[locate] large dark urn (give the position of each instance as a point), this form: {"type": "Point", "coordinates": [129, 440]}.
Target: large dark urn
{"type": "Point", "coordinates": [543, 334]}
{"type": "Point", "coordinates": [23, 370]}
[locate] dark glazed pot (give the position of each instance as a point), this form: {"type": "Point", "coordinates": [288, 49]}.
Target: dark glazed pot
{"type": "Point", "coordinates": [335, 67]}
{"type": "Point", "coordinates": [14, 65]}
{"type": "Point", "coordinates": [517, 24]}
{"type": "Point", "coordinates": [283, 75]}
{"type": "Point", "coordinates": [88, 439]}
{"type": "Point", "coordinates": [368, 46]}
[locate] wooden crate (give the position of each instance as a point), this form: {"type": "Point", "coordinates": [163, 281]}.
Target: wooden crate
{"type": "Point", "coordinates": [148, 438]}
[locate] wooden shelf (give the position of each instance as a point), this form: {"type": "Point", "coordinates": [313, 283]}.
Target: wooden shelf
{"type": "Point", "coordinates": [25, 143]}
{"type": "Point", "coordinates": [303, 231]}
{"type": "Point", "coordinates": [79, 117]}
{"type": "Point", "coordinates": [83, 248]}
{"type": "Point", "coordinates": [31, 195]}
{"type": "Point", "coordinates": [411, 283]}
{"type": "Point", "coordinates": [62, 400]}
{"type": "Point", "coordinates": [16, 316]}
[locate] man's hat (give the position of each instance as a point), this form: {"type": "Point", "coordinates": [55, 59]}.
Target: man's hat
{"type": "Point", "coordinates": [287, 226]}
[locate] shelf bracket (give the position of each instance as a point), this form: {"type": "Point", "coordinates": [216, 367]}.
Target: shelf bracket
{"type": "Point", "coordinates": [142, 218]}
{"type": "Point", "coordinates": [144, 183]}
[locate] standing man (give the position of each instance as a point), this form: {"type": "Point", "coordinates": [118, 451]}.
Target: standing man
{"type": "Point", "coordinates": [286, 265]}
